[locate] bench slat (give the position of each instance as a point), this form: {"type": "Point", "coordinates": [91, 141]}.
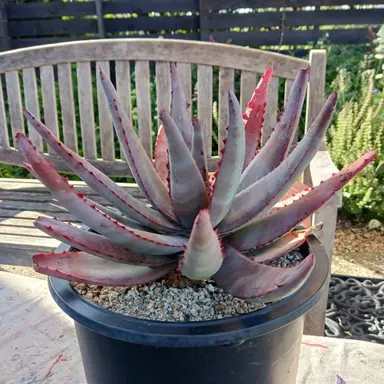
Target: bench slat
{"type": "Point", "coordinates": [186, 81]}
{"type": "Point", "coordinates": [32, 103]}
{"type": "Point", "coordinates": [163, 87]}
{"type": "Point", "coordinates": [67, 106]}
{"type": "Point", "coordinates": [4, 139]}
{"type": "Point", "coordinates": [49, 100]}
{"type": "Point", "coordinates": [105, 118]}
{"type": "Point", "coordinates": [247, 87]}
{"type": "Point", "coordinates": [14, 101]}
{"type": "Point", "coordinates": [271, 109]}
{"type": "Point", "coordinates": [87, 117]}
{"type": "Point", "coordinates": [204, 104]}
{"type": "Point", "coordinates": [226, 79]}
{"type": "Point", "coordinates": [144, 105]}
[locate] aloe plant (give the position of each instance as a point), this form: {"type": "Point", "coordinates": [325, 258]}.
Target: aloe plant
{"type": "Point", "coordinates": [222, 225]}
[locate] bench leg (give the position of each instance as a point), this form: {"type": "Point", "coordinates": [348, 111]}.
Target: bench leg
{"type": "Point", "coordinates": [315, 318]}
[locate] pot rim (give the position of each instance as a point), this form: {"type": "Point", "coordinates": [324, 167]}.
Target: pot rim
{"type": "Point", "coordinates": [225, 331]}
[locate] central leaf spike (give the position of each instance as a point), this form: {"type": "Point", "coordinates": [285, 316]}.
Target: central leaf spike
{"type": "Point", "coordinates": [203, 255]}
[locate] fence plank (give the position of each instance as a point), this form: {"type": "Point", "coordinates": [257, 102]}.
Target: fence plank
{"type": "Point", "coordinates": [4, 140]}
{"type": "Point", "coordinates": [5, 42]}
{"type": "Point", "coordinates": [204, 104]}
{"type": "Point", "coordinates": [49, 10]}
{"type": "Point", "coordinates": [100, 18]}
{"type": "Point", "coordinates": [337, 36]}
{"type": "Point", "coordinates": [226, 80]}
{"type": "Point", "coordinates": [49, 101]}
{"type": "Point", "coordinates": [163, 87]}
{"type": "Point", "coordinates": [224, 4]}
{"type": "Point", "coordinates": [271, 109]}
{"type": "Point", "coordinates": [144, 105]}
{"type": "Point", "coordinates": [247, 86]}
{"type": "Point", "coordinates": [186, 81]}
{"type": "Point", "coordinates": [87, 118]}
{"type": "Point", "coordinates": [24, 28]}
{"type": "Point", "coordinates": [14, 101]}
{"type": "Point", "coordinates": [214, 21]}
{"type": "Point", "coordinates": [32, 103]}
{"type": "Point", "coordinates": [67, 106]}
{"type": "Point", "coordinates": [105, 118]}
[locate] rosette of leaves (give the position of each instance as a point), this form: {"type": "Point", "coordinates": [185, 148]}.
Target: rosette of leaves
{"type": "Point", "coordinates": [220, 225]}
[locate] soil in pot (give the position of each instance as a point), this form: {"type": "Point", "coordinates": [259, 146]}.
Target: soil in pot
{"type": "Point", "coordinates": [175, 298]}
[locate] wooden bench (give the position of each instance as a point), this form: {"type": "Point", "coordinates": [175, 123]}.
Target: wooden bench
{"type": "Point", "coordinates": [62, 75]}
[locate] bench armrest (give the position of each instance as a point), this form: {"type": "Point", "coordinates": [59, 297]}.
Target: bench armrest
{"type": "Point", "coordinates": [321, 168]}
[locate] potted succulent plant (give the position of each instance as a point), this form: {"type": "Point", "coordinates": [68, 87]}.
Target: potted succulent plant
{"type": "Point", "coordinates": [215, 233]}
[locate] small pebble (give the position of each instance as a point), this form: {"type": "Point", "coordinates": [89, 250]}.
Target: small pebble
{"type": "Point", "coordinates": [161, 302]}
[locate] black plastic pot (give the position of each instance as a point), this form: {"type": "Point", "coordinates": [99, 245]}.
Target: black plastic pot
{"type": "Point", "coordinates": [259, 348]}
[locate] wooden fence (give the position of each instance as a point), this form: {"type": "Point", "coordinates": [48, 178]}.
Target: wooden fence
{"type": "Point", "coordinates": [288, 23]}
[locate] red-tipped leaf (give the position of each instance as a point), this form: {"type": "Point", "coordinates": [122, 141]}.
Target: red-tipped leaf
{"type": "Point", "coordinates": [254, 116]}
{"type": "Point", "coordinates": [282, 246]}
{"type": "Point", "coordinates": [161, 156]}
{"type": "Point", "coordinates": [84, 268]}
{"type": "Point", "coordinates": [273, 226]}
{"type": "Point", "coordinates": [179, 107]}
{"type": "Point", "coordinates": [277, 147]}
{"type": "Point", "coordinates": [97, 245]}
{"type": "Point", "coordinates": [89, 214]}
{"type": "Point", "coordinates": [140, 164]}
{"type": "Point", "coordinates": [102, 184]}
{"type": "Point", "coordinates": [259, 283]}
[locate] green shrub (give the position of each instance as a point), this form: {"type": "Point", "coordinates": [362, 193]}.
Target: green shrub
{"type": "Point", "coordinates": [360, 126]}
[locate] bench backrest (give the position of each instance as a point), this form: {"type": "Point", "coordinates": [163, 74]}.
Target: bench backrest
{"type": "Point", "coordinates": [57, 83]}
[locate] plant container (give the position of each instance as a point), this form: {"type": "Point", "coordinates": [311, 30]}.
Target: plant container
{"type": "Point", "coordinates": [262, 347]}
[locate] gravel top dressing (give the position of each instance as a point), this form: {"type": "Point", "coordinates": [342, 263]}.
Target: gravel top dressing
{"type": "Point", "coordinates": [175, 298]}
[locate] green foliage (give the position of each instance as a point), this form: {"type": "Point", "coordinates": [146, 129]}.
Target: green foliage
{"type": "Point", "coordinates": [358, 127]}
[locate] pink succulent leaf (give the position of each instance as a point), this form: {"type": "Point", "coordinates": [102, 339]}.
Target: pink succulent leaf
{"type": "Point", "coordinates": [277, 147]}
{"type": "Point", "coordinates": [203, 255]}
{"type": "Point", "coordinates": [254, 116]}
{"type": "Point", "coordinates": [89, 214]}
{"type": "Point", "coordinates": [85, 268]}
{"type": "Point", "coordinates": [276, 224]}
{"type": "Point", "coordinates": [102, 184]}
{"type": "Point", "coordinates": [161, 156]}
{"type": "Point", "coordinates": [340, 380]}
{"type": "Point", "coordinates": [198, 150]}
{"type": "Point", "coordinates": [140, 164]}
{"type": "Point", "coordinates": [230, 164]}
{"type": "Point", "coordinates": [97, 245]}
{"type": "Point", "coordinates": [260, 197]}
{"type": "Point", "coordinates": [187, 188]}
{"type": "Point", "coordinates": [110, 211]}
{"type": "Point", "coordinates": [259, 283]}
{"type": "Point", "coordinates": [289, 200]}
{"type": "Point", "coordinates": [179, 107]}
{"type": "Point", "coordinates": [282, 246]}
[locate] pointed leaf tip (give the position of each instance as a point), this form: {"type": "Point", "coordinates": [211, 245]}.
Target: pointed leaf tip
{"type": "Point", "coordinates": [203, 255]}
